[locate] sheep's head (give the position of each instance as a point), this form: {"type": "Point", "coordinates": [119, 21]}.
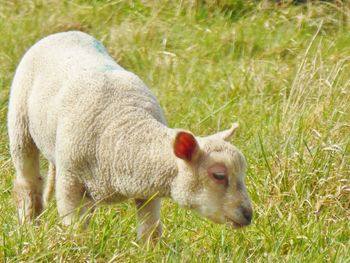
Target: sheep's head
{"type": "Point", "coordinates": [211, 178]}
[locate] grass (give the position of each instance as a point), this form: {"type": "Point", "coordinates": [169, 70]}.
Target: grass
{"type": "Point", "coordinates": [281, 70]}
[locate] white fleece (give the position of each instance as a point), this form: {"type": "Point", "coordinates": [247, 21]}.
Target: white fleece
{"type": "Point", "coordinates": [104, 132]}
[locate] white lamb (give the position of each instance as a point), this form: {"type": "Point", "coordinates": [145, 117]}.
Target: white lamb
{"type": "Point", "coordinates": [106, 140]}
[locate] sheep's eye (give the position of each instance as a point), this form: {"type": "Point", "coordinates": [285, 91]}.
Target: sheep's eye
{"type": "Point", "coordinates": [219, 176]}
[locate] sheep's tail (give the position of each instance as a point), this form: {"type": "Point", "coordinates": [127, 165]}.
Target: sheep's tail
{"type": "Point", "coordinates": [50, 184]}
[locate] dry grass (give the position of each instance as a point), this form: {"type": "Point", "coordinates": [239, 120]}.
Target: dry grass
{"type": "Point", "coordinates": [281, 70]}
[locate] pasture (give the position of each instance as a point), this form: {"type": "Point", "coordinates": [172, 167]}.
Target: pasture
{"type": "Point", "coordinates": [281, 70]}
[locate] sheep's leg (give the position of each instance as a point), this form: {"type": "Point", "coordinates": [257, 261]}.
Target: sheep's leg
{"type": "Point", "coordinates": [150, 227]}
{"type": "Point", "coordinates": [28, 183]}
{"type": "Point", "coordinates": [70, 198]}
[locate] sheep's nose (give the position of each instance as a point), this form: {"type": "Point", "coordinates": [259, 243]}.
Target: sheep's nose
{"type": "Point", "coordinates": [247, 213]}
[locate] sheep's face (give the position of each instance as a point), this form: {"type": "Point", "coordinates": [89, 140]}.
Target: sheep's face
{"type": "Point", "coordinates": [211, 178]}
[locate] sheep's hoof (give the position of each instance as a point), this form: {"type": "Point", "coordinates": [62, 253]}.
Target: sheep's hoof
{"type": "Point", "coordinates": [29, 202]}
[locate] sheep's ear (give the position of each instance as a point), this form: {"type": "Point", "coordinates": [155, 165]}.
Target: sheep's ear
{"type": "Point", "coordinates": [185, 146]}
{"type": "Point", "coordinates": [227, 134]}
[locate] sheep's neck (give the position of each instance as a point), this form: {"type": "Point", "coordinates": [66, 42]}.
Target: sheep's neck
{"type": "Point", "coordinates": [143, 158]}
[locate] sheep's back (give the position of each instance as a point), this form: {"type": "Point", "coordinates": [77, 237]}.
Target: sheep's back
{"type": "Point", "coordinates": [77, 89]}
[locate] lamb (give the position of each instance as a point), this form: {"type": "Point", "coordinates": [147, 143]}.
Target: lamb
{"type": "Point", "coordinates": [106, 140]}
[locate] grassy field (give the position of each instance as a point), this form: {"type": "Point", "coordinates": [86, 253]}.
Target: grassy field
{"type": "Point", "coordinates": [282, 71]}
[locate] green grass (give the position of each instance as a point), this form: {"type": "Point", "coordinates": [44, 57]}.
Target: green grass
{"type": "Point", "coordinates": [281, 71]}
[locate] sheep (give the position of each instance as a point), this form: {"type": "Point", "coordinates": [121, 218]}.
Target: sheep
{"type": "Point", "coordinates": [106, 140]}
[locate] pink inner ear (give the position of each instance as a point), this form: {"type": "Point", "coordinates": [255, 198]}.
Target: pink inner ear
{"type": "Point", "coordinates": [185, 146]}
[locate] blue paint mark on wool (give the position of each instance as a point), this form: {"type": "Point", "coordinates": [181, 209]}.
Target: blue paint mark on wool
{"type": "Point", "coordinates": [99, 47]}
{"type": "Point", "coordinates": [109, 67]}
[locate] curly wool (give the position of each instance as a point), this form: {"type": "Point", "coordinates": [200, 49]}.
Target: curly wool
{"type": "Point", "coordinates": [106, 139]}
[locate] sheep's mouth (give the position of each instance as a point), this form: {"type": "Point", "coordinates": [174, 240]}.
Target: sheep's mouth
{"type": "Point", "coordinates": [232, 223]}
